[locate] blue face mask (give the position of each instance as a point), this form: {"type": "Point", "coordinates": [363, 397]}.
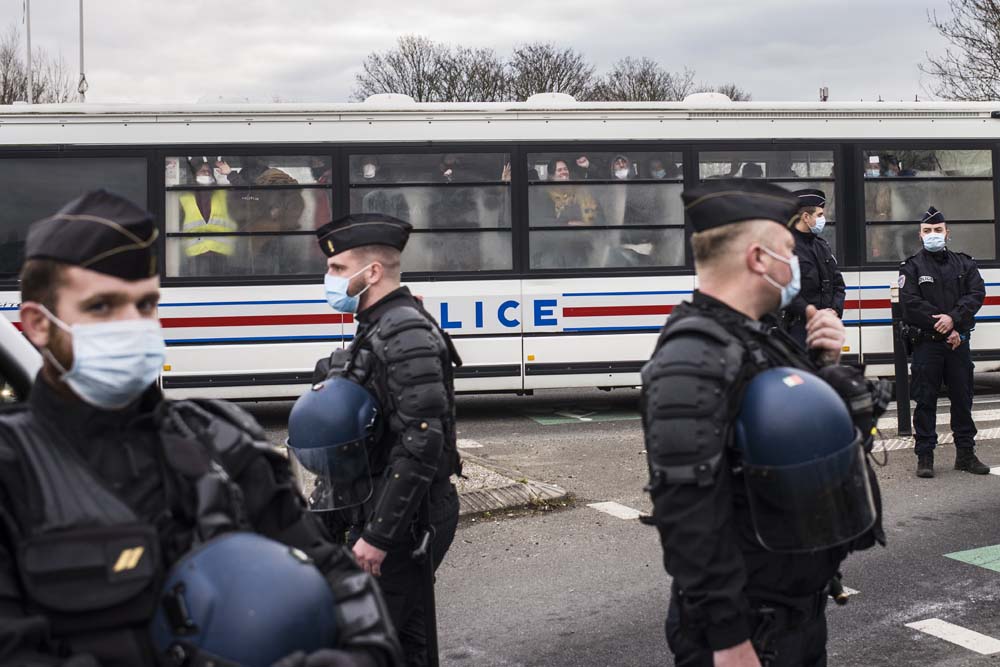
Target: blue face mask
{"type": "Point", "coordinates": [336, 292]}
{"type": "Point", "coordinates": [659, 173]}
{"type": "Point", "coordinates": [820, 224]}
{"type": "Point", "coordinates": [113, 362]}
{"type": "Point", "coordinates": [934, 242]}
{"type": "Point", "coordinates": [791, 290]}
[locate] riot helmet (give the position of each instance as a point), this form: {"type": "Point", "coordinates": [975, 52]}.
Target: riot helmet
{"type": "Point", "coordinates": [329, 430]}
{"type": "Point", "coordinates": [803, 463]}
{"type": "Point", "coordinates": [243, 599]}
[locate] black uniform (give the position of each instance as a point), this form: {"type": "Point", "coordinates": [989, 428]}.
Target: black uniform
{"type": "Point", "coordinates": [822, 282]}
{"type": "Point", "coordinates": [724, 581]}
{"type": "Point", "coordinates": [933, 283]}
{"type": "Point", "coordinates": [401, 355]}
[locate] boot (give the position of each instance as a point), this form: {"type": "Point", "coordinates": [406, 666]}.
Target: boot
{"type": "Point", "coordinates": [965, 459]}
{"type": "Point", "coordinates": [925, 465]}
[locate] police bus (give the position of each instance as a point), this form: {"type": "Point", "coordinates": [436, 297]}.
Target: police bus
{"type": "Point", "coordinates": [549, 236]}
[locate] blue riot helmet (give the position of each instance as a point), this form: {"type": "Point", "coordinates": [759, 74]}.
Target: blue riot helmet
{"type": "Point", "coordinates": [243, 599]}
{"type": "Point", "coordinates": [329, 430]}
{"type": "Point", "coordinates": [803, 463]}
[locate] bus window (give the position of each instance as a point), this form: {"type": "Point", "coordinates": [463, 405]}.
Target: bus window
{"type": "Point", "coordinates": [250, 219]}
{"type": "Point", "coordinates": [901, 184]}
{"type": "Point", "coordinates": [38, 187]}
{"type": "Point", "coordinates": [610, 209]}
{"type": "Point", "coordinates": [458, 204]}
{"type": "Point", "coordinates": [791, 169]}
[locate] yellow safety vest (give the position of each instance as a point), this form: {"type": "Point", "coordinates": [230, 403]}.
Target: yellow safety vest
{"type": "Point", "coordinates": [218, 222]}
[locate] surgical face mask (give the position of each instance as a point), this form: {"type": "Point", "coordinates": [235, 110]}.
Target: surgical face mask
{"type": "Point", "coordinates": [659, 173]}
{"type": "Point", "coordinates": [791, 290]}
{"type": "Point", "coordinates": [621, 174]}
{"type": "Point", "coordinates": [336, 292]}
{"type": "Point", "coordinates": [817, 229]}
{"type": "Point", "coordinates": [113, 362]}
{"type": "Point", "coordinates": [204, 179]}
{"type": "Point", "coordinates": [934, 242]}
{"type": "Point", "coordinates": [368, 171]}
{"type": "Point", "coordinates": [873, 173]}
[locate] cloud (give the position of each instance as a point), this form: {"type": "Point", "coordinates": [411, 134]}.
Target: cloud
{"type": "Point", "coordinates": [185, 50]}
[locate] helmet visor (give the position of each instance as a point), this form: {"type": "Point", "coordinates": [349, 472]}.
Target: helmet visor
{"type": "Point", "coordinates": [813, 505]}
{"type": "Point", "coordinates": [332, 478]}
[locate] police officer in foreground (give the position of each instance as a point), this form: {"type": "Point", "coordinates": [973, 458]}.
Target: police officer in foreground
{"type": "Point", "coordinates": [940, 292]}
{"type": "Point", "coordinates": [822, 282]}
{"type": "Point", "coordinates": [104, 484]}
{"type": "Point", "coordinates": [758, 471]}
{"type": "Point", "coordinates": [405, 360]}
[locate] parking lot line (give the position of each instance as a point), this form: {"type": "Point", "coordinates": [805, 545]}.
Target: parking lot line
{"type": "Point", "coordinates": [956, 634]}
{"type": "Point", "coordinates": [985, 557]}
{"type": "Point", "coordinates": [616, 510]}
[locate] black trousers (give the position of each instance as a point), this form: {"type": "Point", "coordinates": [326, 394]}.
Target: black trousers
{"type": "Point", "coordinates": [403, 579]}
{"type": "Point", "coordinates": [934, 362]}
{"type": "Point", "coordinates": [790, 640]}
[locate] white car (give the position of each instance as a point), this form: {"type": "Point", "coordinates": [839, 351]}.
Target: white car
{"type": "Point", "coordinates": [19, 363]}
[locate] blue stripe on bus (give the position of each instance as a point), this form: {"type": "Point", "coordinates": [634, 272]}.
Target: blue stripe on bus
{"type": "Point", "coordinates": [240, 303]}
{"type": "Point", "coordinates": [580, 329]}
{"type": "Point", "coordinates": [259, 339]}
{"type": "Point", "coordinates": [684, 291]}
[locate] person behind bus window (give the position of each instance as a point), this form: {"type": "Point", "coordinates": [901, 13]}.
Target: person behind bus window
{"type": "Point", "coordinates": [751, 170]}
{"type": "Point", "coordinates": [322, 175]}
{"type": "Point", "coordinates": [565, 205]}
{"type": "Point", "coordinates": [660, 170]}
{"type": "Point", "coordinates": [621, 168]}
{"type": "Point", "coordinates": [582, 169]}
{"type": "Point", "coordinates": [252, 168]}
{"type": "Point", "coordinates": [270, 210]}
{"type": "Point", "coordinates": [206, 212]}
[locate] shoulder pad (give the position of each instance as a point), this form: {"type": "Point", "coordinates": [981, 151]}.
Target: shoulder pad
{"type": "Point", "coordinates": [966, 255]}
{"type": "Point", "coordinates": [401, 319]}
{"type": "Point", "coordinates": [703, 326]}
{"type": "Point", "coordinates": [233, 414]}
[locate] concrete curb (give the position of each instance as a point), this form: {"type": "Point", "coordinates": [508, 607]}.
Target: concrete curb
{"type": "Point", "coordinates": [516, 494]}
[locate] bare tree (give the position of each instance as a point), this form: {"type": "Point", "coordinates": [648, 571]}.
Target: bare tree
{"type": "Point", "coordinates": [411, 68]}
{"type": "Point", "coordinates": [472, 75]}
{"type": "Point", "coordinates": [642, 80]}
{"type": "Point", "coordinates": [733, 92]}
{"type": "Point", "coordinates": [970, 66]}
{"type": "Point", "coordinates": [51, 80]}
{"type": "Point", "coordinates": [545, 68]}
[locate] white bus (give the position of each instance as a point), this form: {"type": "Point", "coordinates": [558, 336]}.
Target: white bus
{"type": "Point", "coordinates": [549, 238]}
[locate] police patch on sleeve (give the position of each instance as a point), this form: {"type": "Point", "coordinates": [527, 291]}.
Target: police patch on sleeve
{"type": "Point", "coordinates": [902, 281]}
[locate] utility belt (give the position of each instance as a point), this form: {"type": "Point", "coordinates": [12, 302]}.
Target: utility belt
{"type": "Point", "coordinates": [914, 336]}
{"type": "Point", "coordinates": [781, 613]}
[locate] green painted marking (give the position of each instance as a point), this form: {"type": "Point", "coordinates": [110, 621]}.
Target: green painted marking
{"type": "Point", "coordinates": [579, 416]}
{"type": "Point", "coordinates": [986, 557]}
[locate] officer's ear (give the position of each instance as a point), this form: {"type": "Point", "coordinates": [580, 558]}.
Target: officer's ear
{"type": "Point", "coordinates": [755, 259]}
{"type": "Point", "coordinates": [35, 324]}
{"type": "Point", "coordinates": [378, 271]}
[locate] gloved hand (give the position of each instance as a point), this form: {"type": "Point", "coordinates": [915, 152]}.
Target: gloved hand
{"type": "Point", "coordinates": [326, 658]}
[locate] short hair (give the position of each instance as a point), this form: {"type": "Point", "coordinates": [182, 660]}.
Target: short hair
{"type": "Point", "coordinates": [40, 281]}
{"type": "Point", "coordinates": [712, 244]}
{"type": "Point", "coordinates": [811, 210]}
{"type": "Point", "coordinates": [387, 256]}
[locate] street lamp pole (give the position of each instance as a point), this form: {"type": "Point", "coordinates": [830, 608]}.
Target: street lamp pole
{"type": "Point", "coordinates": [82, 87]}
{"type": "Point", "coordinates": [27, 30]}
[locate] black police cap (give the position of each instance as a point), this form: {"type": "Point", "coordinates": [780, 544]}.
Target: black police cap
{"type": "Point", "coordinates": [811, 197]}
{"type": "Point", "coordinates": [716, 203]}
{"type": "Point", "coordinates": [99, 231]}
{"type": "Point", "coordinates": [932, 216]}
{"type": "Point", "coordinates": [361, 229]}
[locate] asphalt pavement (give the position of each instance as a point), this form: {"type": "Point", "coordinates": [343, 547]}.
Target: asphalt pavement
{"type": "Point", "coordinates": [577, 585]}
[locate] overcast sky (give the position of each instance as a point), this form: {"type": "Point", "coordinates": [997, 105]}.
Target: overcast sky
{"type": "Point", "coordinates": [310, 50]}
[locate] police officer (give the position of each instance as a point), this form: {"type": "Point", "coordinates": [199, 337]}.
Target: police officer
{"type": "Point", "coordinates": [738, 598]}
{"type": "Point", "coordinates": [822, 282]}
{"type": "Point", "coordinates": [104, 484]}
{"type": "Point", "coordinates": [402, 357]}
{"type": "Point", "coordinates": [940, 292]}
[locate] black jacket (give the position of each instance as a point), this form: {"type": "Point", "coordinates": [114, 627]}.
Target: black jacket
{"type": "Point", "coordinates": [692, 390]}
{"type": "Point", "coordinates": [945, 282]}
{"type": "Point", "coordinates": [822, 282]}
{"type": "Point", "coordinates": [131, 471]}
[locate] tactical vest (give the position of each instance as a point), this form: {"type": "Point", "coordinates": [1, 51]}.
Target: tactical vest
{"type": "Point", "coordinates": [91, 566]}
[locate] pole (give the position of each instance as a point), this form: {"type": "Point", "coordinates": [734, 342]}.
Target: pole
{"type": "Point", "coordinates": [82, 87]}
{"type": "Point", "coordinates": [27, 29]}
{"type": "Point", "coordinates": [903, 423]}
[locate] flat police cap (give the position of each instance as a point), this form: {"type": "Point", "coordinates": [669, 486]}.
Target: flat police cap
{"type": "Point", "coordinates": [932, 216]}
{"type": "Point", "coordinates": [361, 229]}
{"type": "Point", "coordinates": [99, 231]}
{"type": "Point", "coordinates": [811, 197]}
{"type": "Point", "coordinates": [717, 203]}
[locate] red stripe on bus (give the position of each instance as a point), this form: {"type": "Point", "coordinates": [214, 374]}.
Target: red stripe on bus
{"type": "Point", "coordinates": [616, 311]}
{"type": "Point", "coordinates": [254, 320]}
{"type": "Point", "coordinates": [866, 303]}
